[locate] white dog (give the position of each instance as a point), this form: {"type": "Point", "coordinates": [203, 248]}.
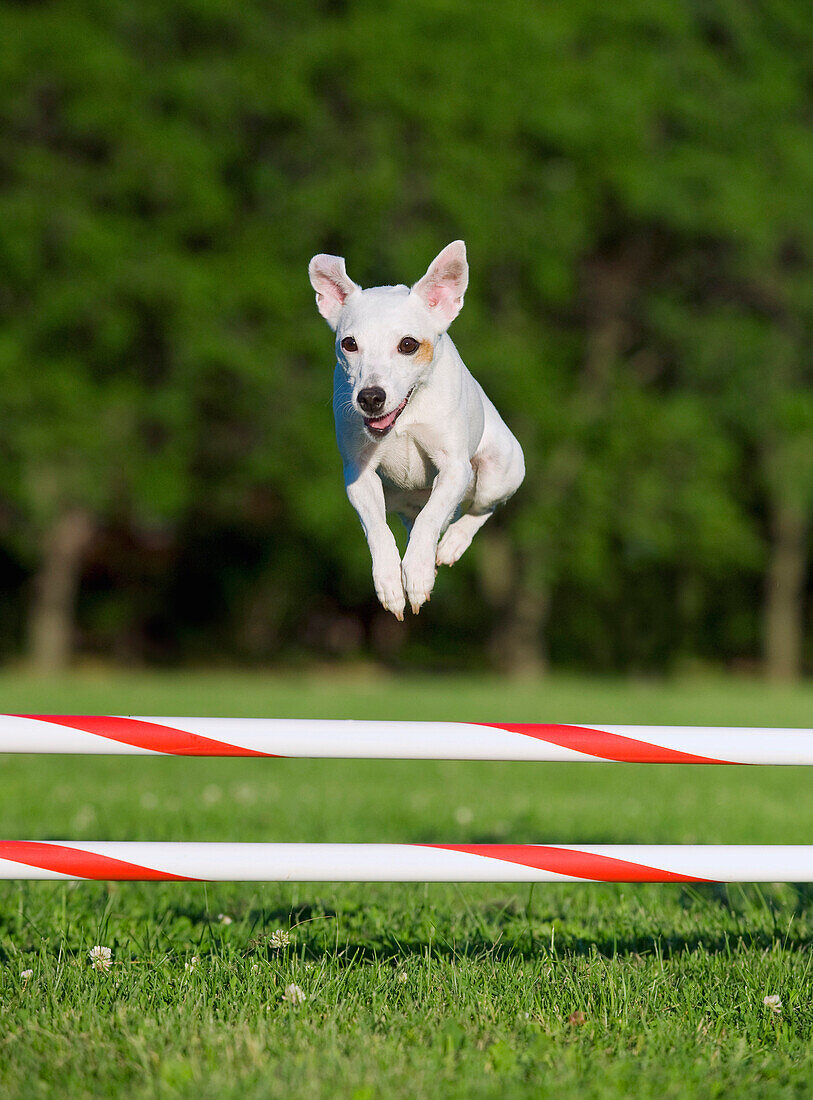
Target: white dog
{"type": "Point", "coordinates": [416, 433]}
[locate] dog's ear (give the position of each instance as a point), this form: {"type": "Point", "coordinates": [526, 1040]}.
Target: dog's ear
{"type": "Point", "coordinates": [332, 284]}
{"type": "Point", "coordinates": [442, 288]}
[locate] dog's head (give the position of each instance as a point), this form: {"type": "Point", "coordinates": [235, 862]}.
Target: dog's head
{"type": "Point", "coordinates": [386, 336]}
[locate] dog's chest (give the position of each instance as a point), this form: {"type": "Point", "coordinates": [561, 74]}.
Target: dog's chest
{"type": "Point", "coordinates": [403, 463]}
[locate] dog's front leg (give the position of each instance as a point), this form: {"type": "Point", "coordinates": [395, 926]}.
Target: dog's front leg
{"type": "Point", "coordinates": [366, 493]}
{"type": "Point", "coordinates": [419, 569]}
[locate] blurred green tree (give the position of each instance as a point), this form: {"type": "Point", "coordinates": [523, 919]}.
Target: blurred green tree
{"type": "Point", "coordinates": [633, 184]}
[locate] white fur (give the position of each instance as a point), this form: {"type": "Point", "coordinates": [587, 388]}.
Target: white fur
{"type": "Point", "coordinates": [448, 460]}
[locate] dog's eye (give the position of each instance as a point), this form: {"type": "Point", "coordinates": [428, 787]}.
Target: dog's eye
{"type": "Point", "coordinates": [408, 346]}
{"type": "Point", "coordinates": [349, 344]}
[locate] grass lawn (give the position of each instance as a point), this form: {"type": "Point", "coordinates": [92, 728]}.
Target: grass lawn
{"type": "Point", "coordinates": [410, 990]}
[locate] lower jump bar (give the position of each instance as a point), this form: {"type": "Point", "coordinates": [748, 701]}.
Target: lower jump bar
{"type": "Point", "coordinates": [226, 862]}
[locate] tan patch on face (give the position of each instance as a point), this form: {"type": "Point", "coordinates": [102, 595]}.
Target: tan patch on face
{"type": "Point", "coordinates": [425, 352]}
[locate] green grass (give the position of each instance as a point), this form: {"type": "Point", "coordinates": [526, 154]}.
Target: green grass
{"type": "Point", "coordinates": [411, 990]}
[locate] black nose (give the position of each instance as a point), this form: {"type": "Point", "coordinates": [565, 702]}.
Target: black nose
{"type": "Point", "coordinates": [371, 400]}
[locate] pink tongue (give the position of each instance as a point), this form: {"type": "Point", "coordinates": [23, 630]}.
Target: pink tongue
{"type": "Point", "coordinates": [386, 421]}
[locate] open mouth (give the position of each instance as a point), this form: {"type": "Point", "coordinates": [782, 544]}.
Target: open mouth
{"type": "Point", "coordinates": [380, 425]}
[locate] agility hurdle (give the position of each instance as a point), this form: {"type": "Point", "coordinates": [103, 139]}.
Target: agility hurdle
{"type": "Point", "coordinates": [196, 862]}
{"type": "Point", "coordinates": [387, 740]}
{"type": "Point", "coordinates": [246, 737]}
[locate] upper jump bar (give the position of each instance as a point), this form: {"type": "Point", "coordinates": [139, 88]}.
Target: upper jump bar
{"type": "Point", "coordinates": [329, 738]}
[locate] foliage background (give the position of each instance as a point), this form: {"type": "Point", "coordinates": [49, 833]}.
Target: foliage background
{"type": "Point", "coordinates": [633, 183]}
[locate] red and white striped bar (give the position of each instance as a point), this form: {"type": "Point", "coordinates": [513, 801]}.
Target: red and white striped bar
{"type": "Point", "coordinates": [196, 862]}
{"type": "Point", "coordinates": [285, 737]}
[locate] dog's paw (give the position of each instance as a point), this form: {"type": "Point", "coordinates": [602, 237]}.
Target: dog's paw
{"type": "Point", "coordinates": [418, 571]}
{"type": "Point", "coordinates": [390, 589]}
{"type": "Point", "coordinates": [453, 544]}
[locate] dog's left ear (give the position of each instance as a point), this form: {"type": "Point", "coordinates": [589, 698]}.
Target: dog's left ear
{"type": "Point", "coordinates": [442, 288]}
{"type": "Point", "coordinates": [332, 284]}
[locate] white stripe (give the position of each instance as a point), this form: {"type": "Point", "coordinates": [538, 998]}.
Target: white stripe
{"type": "Point", "coordinates": [366, 739]}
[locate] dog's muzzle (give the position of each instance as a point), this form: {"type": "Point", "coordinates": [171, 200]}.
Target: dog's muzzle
{"type": "Point", "coordinates": [380, 425]}
{"type": "Point", "coordinates": [371, 400]}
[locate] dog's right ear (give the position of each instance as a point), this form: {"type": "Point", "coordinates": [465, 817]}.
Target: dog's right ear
{"type": "Point", "coordinates": [332, 284]}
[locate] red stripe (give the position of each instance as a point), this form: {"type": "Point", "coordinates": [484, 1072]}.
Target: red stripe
{"type": "Point", "coordinates": [601, 743]}
{"type": "Point", "coordinates": [565, 861]}
{"type": "Point", "coordinates": [82, 864]}
{"type": "Point", "coordinates": [146, 735]}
